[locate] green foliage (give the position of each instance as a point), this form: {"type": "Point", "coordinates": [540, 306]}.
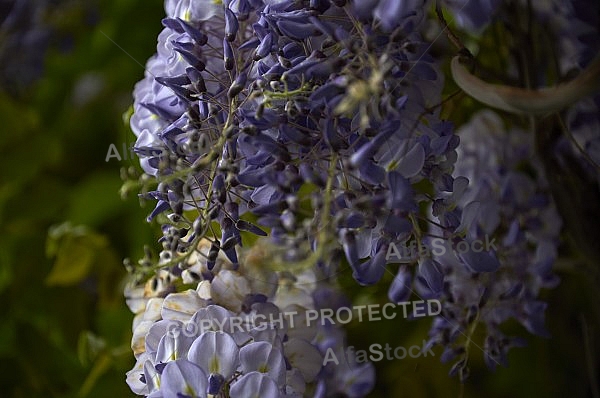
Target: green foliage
{"type": "Point", "coordinates": [65, 329]}
{"type": "Point", "coordinates": [73, 249]}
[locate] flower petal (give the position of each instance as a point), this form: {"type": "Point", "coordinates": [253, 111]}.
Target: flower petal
{"type": "Point", "coordinates": [183, 378]}
{"type": "Point", "coordinates": [215, 352]}
{"type": "Point", "coordinates": [263, 357]}
{"type": "Point", "coordinates": [254, 385]}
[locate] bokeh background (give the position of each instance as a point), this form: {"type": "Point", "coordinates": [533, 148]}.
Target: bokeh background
{"type": "Point", "coordinates": [67, 70]}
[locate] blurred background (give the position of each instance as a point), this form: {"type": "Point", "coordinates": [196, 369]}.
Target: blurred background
{"type": "Point", "coordinates": [67, 70]}
{"type": "Point", "coordinates": [64, 87]}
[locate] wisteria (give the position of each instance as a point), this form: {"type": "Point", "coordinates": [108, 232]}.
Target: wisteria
{"type": "Point", "coordinates": [29, 30]}
{"type": "Point", "coordinates": [286, 141]}
{"type": "Point", "coordinates": [237, 333]}
{"type": "Point", "coordinates": [514, 210]}
{"type": "Point", "coordinates": [22, 26]}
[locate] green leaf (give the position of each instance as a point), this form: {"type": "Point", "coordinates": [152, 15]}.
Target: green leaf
{"type": "Point", "coordinates": [75, 249]}
{"type": "Point", "coordinates": [89, 347]}
{"type": "Point", "coordinates": [73, 262]}
{"type": "Point", "coordinates": [56, 234]}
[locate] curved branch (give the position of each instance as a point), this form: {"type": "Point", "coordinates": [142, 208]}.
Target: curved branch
{"type": "Point", "coordinates": [523, 101]}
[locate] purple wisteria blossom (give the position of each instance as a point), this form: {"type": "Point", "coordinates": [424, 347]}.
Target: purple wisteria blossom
{"type": "Point", "coordinates": [316, 126]}
{"type": "Point", "coordinates": [513, 211]}
{"type": "Point", "coordinates": [260, 108]}
{"type": "Point", "coordinates": [221, 331]}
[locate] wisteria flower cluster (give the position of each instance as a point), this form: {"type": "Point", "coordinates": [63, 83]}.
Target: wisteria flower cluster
{"type": "Point", "coordinates": [316, 125]}
{"type": "Point", "coordinates": [22, 28]}
{"type": "Point", "coordinates": [236, 334]}
{"type": "Point", "coordinates": [514, 208]}
{"type": "Point", "coordinates": [29, 30]}
{"type": "Point", "coordinates": [253, 110]}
